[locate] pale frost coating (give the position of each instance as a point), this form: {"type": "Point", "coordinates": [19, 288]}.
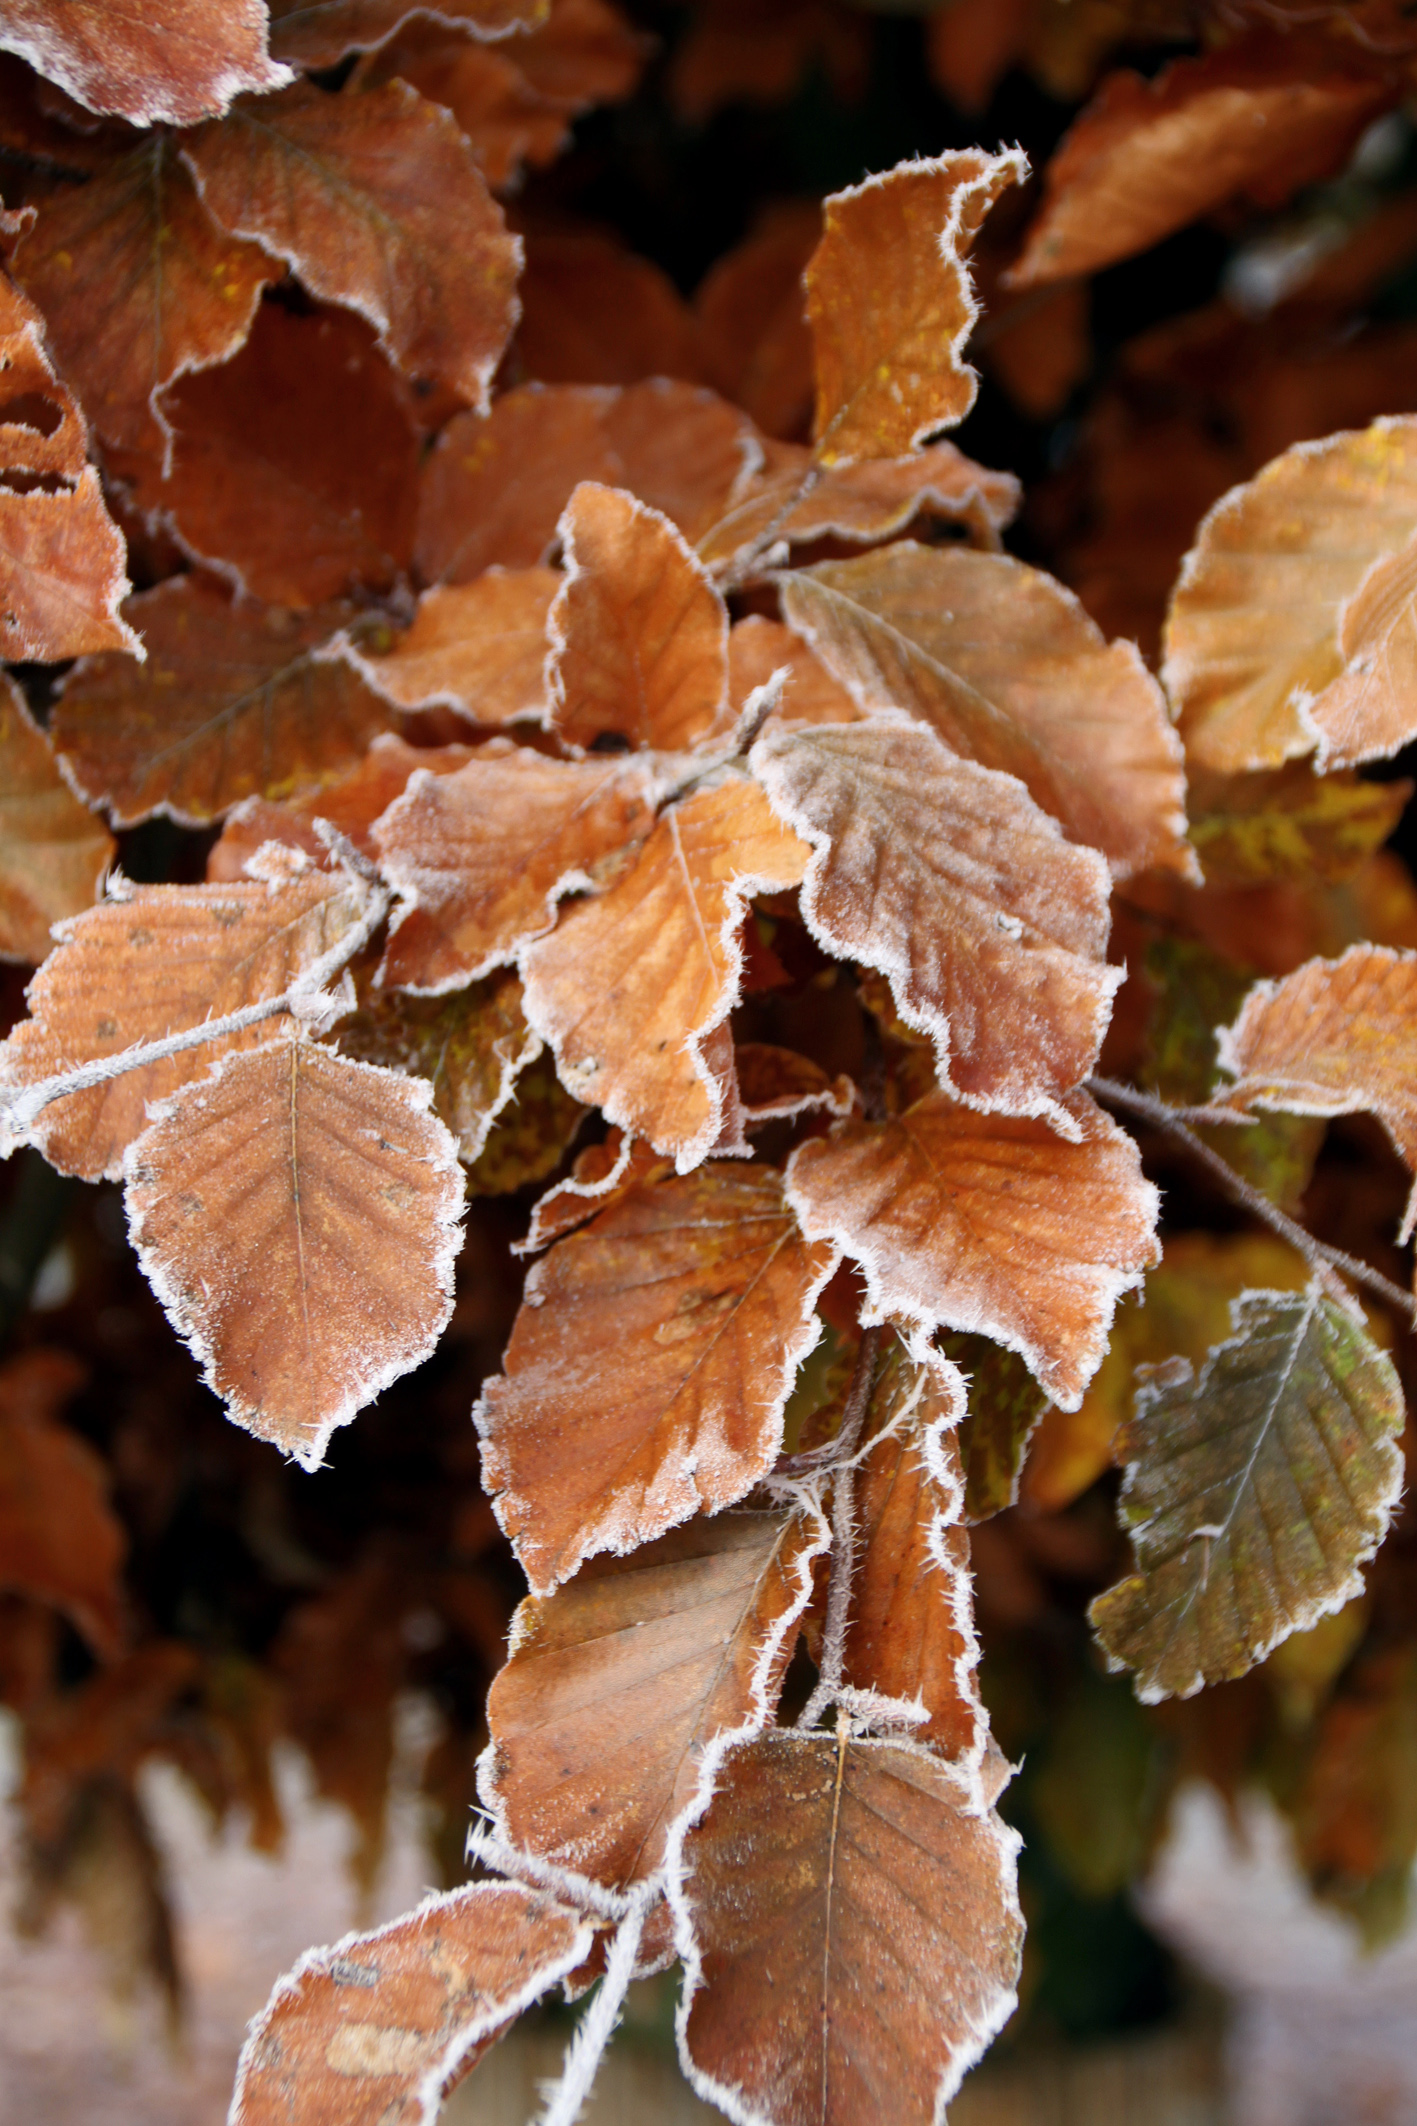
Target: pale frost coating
{"type": "Point", "coordinates": [149, 61]}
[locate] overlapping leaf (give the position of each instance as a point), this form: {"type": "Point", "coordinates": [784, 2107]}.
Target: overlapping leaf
{"type": "Point", "coordinates": [1253, 1493]}
{"type": "Point", "coordinates": [53, 852]}
{"type": "Point", "coordinates": [319, 33]}
{"type": "Point", "coordinates": [146, 60]}
{"type": "Point", "coordinates": [694, 1294]}
{"type": "Point", "coordinates": [1289, 823]}
{"type": "Point", "coordinates": [1005, 1405]}
{"type": "Point", "coordinates": [352, 802]}
{"type": "Point", "coordinates": [758, 648]}
{"type": "Point", "coordinates": [298, 1215]}
{"type": "Point", "coordinates": [60, 1540]}
{"type": "Point", "coordinates": [478, 648]}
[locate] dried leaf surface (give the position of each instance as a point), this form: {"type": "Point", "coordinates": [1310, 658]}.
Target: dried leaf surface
{"type": "Point", "coordinates": [146, 60]}
{"type": "Point", "coordinates": [53, 852]}
{"type": "Point", "coordinates": [471, 1047]}
{"type": "Point", "coordinates": [298, 1215]}
{"type": "Point", "coordinates": [988, 1223]}
{"type": "Point", "coordinates": [947, 878]}
{"type": "Point", "coordinates": [155, 960]}
{"type": "Point", "coordinates": [1253, 1493]}
{"type": "Point", "coordinates": [694, 1294]}
{"type": "Point", "coordinates": [373, 2029]}
{"type": "Point", "coordinates": [596, 312]}
{"type": "Point", "coordinates": [640, 635]}
{"type": "Point", "coordinates": [1013, 675]}
{"type": "Point", "coordinates": [478, 648]}
{"type": "Point", "coordinates": [758, 647]}
{"type": "Point", "coordinates": [319, 33]}
{"type": "Point", "coordinates": [481, 858]}
{"type": "Point", "coordinates": [62, 580]}
{"type": "Point", "coordinates": [375, 200]}
{"type": "Point", "coordinates": [890, 303]}
{"type": "Point", "coordinates": [831, 1890]}
{"type": "Point", "coordinates": [235, 700]}
{"type": "Point", "coordinates": [352, 802]}
{"type": "Point", "coordinates": [616, 1684]}
{"type": "Point", "coordinates": [632, 987]}
{"type": "Point", "coordinates": [60, 1540]}
{"type": "Point", "coordinates": [41, 428]}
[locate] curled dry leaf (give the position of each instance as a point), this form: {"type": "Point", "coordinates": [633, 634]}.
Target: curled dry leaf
{"type": "Point", "coordinates": [947, 878]}
{"type": "Point", "coordinates": [694, 1294]}
{"type": "Point", "coordinates": [375, 2028]}
{"type": "Point", "coordinates": [319, 33]}
{"type": "Point", "coordinates": [53, 852]}
{"type": "Point", "coordinates": [352, 802]}
{"type": "Point", "coordinates": [1289, 823]}
{"type": "Point", "coordinates": [41, 428]}
{"type": "Point", "coordinates": [1012, 674]}
{"type": "Point", "coordinates": [602, 1174]}
{"type": "Point", "coordinates": [480, 858]}
{"type": "Point", "coordinates": [235, 700]}
{"type": "Point", "coordinates": [1262, 117]}
{"type": "Point", "coordinates": [1335, 1037]}
{"type": "Point", "coordinates": [758, 648]}
{"type": "Point", "coordinates": [776, 1083]}
{"type": "Point", "coordinates": [375, 201]}
{"type": "Point", "coordinates": [850, 1929]}
{"type": "Point", "coordinates": [988, 1223]}
{"type": "Point", "coordinates": [60, 1540]}
{"type": "Point", "coordinates": [1005, 1405]}
{"type": "Point", "coordinates": [152, 961]}
{"type": "Point", "coordinates": [478, 648]}
{"type": "Point", "coordinates": [471, 1046]}
{"type": "Point", "coordinates": [616, 1684]}
{"type": "Point", "coordinates": [633, 986]}
{"type": "Point", "coordinates": [1288, 622]}
{"type": "Point", "coordinates": [173, 60]}
{"type": "Point", "coordinates": [1253, 1493]}
{"type": "Point", "coordinates": [890, 303]}
{"type": "Point", "coordinates": [298, 1215]}
{"type": "Point", "coordinates": [639, 634]}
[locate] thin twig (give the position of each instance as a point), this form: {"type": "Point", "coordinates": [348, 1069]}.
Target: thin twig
{"type": "Point", "coordinates": [1322, 1258]}
{"type": "Point", "coordinates": [565, 2098]}
{"type": "Point", "coordinates": [747, 561]}
{"type": "Point", "coordinates": [843, 1550]}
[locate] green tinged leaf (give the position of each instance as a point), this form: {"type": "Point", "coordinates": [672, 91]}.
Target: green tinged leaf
{"type": "Point", "coordinates": [530, 1136]}
{"type": "Point", "coordinates": [1289, 823]}
{"type": "Point", "coordinates": [1005, 1403]}
{"type": "Point", "coordinates": [1253, 1493]}
{"type": "Point", "coordinates": [472, 1045]}
{"type": "Point", "coordinates": [1088, 1785]}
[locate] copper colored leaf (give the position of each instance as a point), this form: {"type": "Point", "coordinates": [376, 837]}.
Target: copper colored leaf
{"type": "Point", "coordinates": [694, 1295]}
{"type": "Point", "coordinates": [179, 293]}
{"type": "Point", "coordinates": [481, 858]}
{"type": "Point", "coordinates": [640, 636]}
{"type": "Point", "coordinates": [1261, 117]}
{"type": "Point", "coordinates": [602, 1174]}
{"type": "Point", "coordinates": [41, 428]}
{"type": "Point", "coordinates": [757, 648]}
{"type": "Point", "coordinates": [989, 1223]}
{"type": "Point", "coordinates": [774, 1083]}
{"type": "Point", "coordinates": [615, 1685]}
{"type": "Point", "coordinates": [234, 700]}
{"type": "Point", "coordinates": [890, 303]}
{"type": "Point", "coordinates": [53, 852]}
{"type": "Point", "coordinates": [1367, 712]}
{"type": "Point", "coordinates": [634, 987]}
{"type": "Point", "coordinates": [1253, 1493]}
{"type": "Point", "coordinates": [1334, 1037]}
{"type": "Point", "coordinates": [374, 2028]}
{"type": "Point", "coordinates": [754, 338]}
{"type": "Point", "coordinates": [1004, 1407]}
{"type": "Point", "coordinates": [298, 1215]}
{"type": "Point", "coordinates": [471, 1047]}
{"type": "Point", "coordinates": [319, 33]}
{"type": "Point", "coordinates": [375, 201]}
{"type": "Point", "coordinates": [61, 574]}
{"type": "Point", "coordinates": [1012, 674]}
{"type": "Point", "coordinates": [1256, 661]}
{"type": "Point", "coordinates": [146, 60]}
{"type": "Point", "coordinates": [850, 1929]}
{"type": "Point", "coordinates": [60, 1540]}
{"type": "Point", "coordinates": [948, 878]}
{"type": "Point", "coordinates": [1354, 1819]}
{"type": "Point", "coordinates": [1289, 823]}
{"type": "Point", "coordinates": [151, 961]}
{"type": "Point", "coordinates": [477, 648]}
{"type": "Point", "coordinates": [595, 312]}
{"type": "Point", "coordinates": [353, 802]}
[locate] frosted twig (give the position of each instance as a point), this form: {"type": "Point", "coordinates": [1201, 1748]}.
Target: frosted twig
{"type": "Point", "coordinates": [747, 561]}
{"type": "Point", "coordinates": [484, 1845]}
{"type": "Point", "coordinates": [843, 1550]}
{"type": "Point", "coordinates": [565, 2097]}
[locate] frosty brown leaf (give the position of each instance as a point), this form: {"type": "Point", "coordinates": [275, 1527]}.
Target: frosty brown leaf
{"type": "Point", "coordinates": [471, 1047]}
{"type": "Point", "coordinates": [480, 858]}
{"type": "Point", "coordinates": [695, 1295]}
{"type": "Point", "coordinates": [989, 1223]}
{"type": "Point", "coordinates": [1005, 1405]}
{"type": "Point", "coordinates": [831, 1888]}
{"type": "Point", "coordinates": [61, 574]}
{"type": "Point", "coordinates": [948, 878]}
{"type": "Point", "coordinates": [633, 986]}
{"type": "Point", "coordinates": [60, 1540]}
{"type": "Point", "coordinates": [234, 700]}
{"type": "Point", "coordinates": [890, 303]}
{"type": "Point", "coordinates": [319, 33]}
{"type": "Point", "coordinates": [146, 60]}
{"type": "Point", "coordinates": [374, 2028]}
{"type": "Point", "coordinates": [776, 1083]}
{"type": "Point", "coordinates": [151, 961]}
{"type": "Point", "coordinates": [41, 428]}
{"type": "Point", "coordinates": [352, 802]}
{"type": "Point", "coordinates": [1013, 675]}
{"type": "Point", "coordinates": [375, 201]}
{"type": "Point", "coordinates": [478, 648]}
{"type": "Point", "coordinates": [615, 1685]}
{"type": "Point", "coordinates": [1253, 1494]}
{"type": "Point", "coordinates": [602, 1174]}
{"type": "Point", "coordinates": [53, 852]}
{"type": "Point", "coordinates": [639, 634]}
{"type": "Point", "coordinates": [758, 647]}
{"type": "Point", "coordinates": [298, 1215]}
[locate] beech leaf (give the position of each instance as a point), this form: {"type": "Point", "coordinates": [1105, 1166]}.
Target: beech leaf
{"type": "Point", "coordinates": [146, 60]}
{"type": "Point", "coordinates": [1013, 675]}
{"type": "Point", "coordinates": [319, 33]}
{"type": "Point", "coordinates": [1005, 1405]}
{"type": "Point", "coordinates": [1253, 1493]}
{"type": "Point", "coordinates": [60, 1540]}
{"type": "Point", "coordinates": [477, 648]}
{"type": "Point", "coordinates": [353, 802]}
{"type": "Point", "coordinates": [1289, 823]}
{"type": "Point", "coordinates": [471, 1046]}
{"type": "Point", "coordinates": [989, 1223]}
{"type": "Point", "coordinates": [850, 1929]}
{"type": "Point", "coordinates": [694, 1294]}
{"type": "Point", "coordinates": [890, 302]}
{"type": "Point", "coordinates": [947, 878]}
{"type": "Point", "coordinates": [758, 649]}
{"type": "Point", "coordinates": [298, 1215]}
{"type": "Point", "coordinates": [375, 2028]}
{"type": "Point", "coordinates": [616, 1684]}
{"type": "Point", "coordinates": [53, 852]}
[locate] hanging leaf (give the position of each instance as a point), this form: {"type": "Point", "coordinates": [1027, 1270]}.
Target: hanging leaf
{"type": "Point", "coordinates": [694, 1295]}
{"type": "Point", "coordinates": [472, 1048]}
{"type": "Point", "coordinates": [1005, 1405]}
{"type": "Point", "coordinates": [1253, 1493]}
{"type": "Point", "coordinates": [832, 1889]}
{"type": "Point", "coordinates": [53, 852]}
{"type": "Point", "coordinates": [988, 1223]}
{"type": "Point", "coordinates": [477, 648]}
{"type": "Point", "coordinates": [178, 60]}
{"type": "Point", "coordinates": [298, 1216]}
{"type": "Point", "coordinates": [319, 33]}
{"type": "Point", "coordinates": [60, 1540]}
